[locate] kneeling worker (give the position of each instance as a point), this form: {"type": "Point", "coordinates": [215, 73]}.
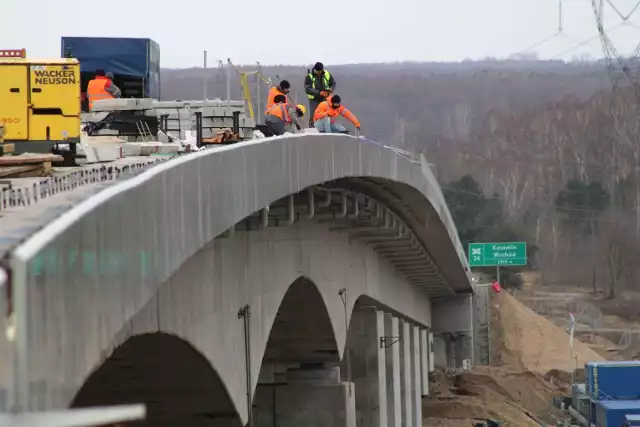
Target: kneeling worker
{"type": "Point", "coordinates": [282, 117]}
{"type": "Point", "coordinates": [282, 89]}
{"type": "Point", "coordinates": [324, 119]}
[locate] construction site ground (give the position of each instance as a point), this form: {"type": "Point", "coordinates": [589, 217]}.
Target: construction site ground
{"type": "Point", "coordinates": [531, 358]}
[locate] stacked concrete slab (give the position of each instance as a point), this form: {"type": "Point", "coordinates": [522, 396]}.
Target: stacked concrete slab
{"type": "Point", "coordinates": [216, 114]}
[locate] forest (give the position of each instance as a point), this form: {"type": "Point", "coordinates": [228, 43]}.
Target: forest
{"type": "Point", "coordinates": [541, 151]}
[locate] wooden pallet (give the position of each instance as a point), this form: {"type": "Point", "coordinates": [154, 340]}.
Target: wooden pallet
{"type": "Point", "coordinates": [6, 148]}
{"type": "Point", "coordinates": [26, 165]}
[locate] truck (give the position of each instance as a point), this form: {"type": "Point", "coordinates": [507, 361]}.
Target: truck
{"type": "Point", "coordinates": [134, 63]}
{"type": "Point", "coordinates": [612, 413]}
{"type": "Point", "coordinates": [39, 101]}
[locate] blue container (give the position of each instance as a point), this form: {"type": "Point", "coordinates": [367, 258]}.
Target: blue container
{"type": "Point", "coordinates": [611, 413]}
{"type": "Point", "coordinates": [125, 57]}
{"type": "Point", "coordinates": [613, 380]}
{"type": "Point", "coordinates": [632, 420]}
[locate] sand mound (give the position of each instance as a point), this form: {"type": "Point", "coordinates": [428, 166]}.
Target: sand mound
{"type": "Point", "coordinates": [525, 340]}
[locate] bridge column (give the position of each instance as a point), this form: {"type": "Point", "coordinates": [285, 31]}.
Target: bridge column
{"type": "Point", "coordinates": [394, 391]}
{"type": "Point", "coordinates": [417, 377]}
{"type": "Point", "coordinates": [424, 361]}
{"type": "Point", "coordinates": [368, 366]}
{"type": "Point", "coordinates": [407, 374]}
{"type": "Point", "coordinates": [312, 397]}
{"type": "Point", "coordinates": [453, 331]}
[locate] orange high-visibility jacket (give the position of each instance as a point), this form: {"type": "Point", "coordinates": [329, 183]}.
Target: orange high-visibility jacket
{"type": "Point", "coordinates": [325, 109]}
{"type": "Point", "coordinates": [97, 89]}
{"type": "Point", "coordinates": [281, 111]}
{"type": "Point", "coordinates": [273, 92]}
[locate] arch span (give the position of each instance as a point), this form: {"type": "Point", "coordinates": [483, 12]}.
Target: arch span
{"type": "Point", "coordinates": [168, 375]}
{"type": "Point", "coordinates": [302, 331]}
{"type": "Point", "coordinates": [200, 302]}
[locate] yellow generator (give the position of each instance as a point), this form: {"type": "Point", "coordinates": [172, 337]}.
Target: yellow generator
{"type": "Point", "coordinates": [39, 101]}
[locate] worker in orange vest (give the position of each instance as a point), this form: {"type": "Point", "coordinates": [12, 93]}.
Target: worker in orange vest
{"type": "Point", "coordinates": [282, 89]}
{"type": "Point", "coordinates": [101, 87]}
{"type": "Point", "coordinates": [324, 119]}
{"type": "Point", "coordinates": [283, 117]}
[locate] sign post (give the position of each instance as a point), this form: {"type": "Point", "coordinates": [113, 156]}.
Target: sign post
{"type": "Point", "coordinates": [502, 254]}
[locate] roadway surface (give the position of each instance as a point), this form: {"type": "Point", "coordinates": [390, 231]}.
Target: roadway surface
{"type": "Point", "coordinates": [36, 201]}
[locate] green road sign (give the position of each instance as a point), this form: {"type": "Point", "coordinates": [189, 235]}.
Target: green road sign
{"type": "Point", "coordinates": [497, 254]}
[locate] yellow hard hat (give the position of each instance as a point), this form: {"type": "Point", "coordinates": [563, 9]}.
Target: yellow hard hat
{"type": "Point", "coordinates": [302, 108]}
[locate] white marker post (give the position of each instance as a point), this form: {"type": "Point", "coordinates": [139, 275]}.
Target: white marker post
{"type": "Point", "coordinates": [571, 364]}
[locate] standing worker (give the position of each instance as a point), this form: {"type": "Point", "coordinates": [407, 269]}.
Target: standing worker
{"type": "Point", "coordinates": [282, 117]}
{"type": "Point", "coordinates": [282, 89]}
{"type": "Point", "coordinates": [319, 85]}
{"type": "Point", "coordinates": [324, 118]}
{"type": "Point", "coordinates": [101, 87]}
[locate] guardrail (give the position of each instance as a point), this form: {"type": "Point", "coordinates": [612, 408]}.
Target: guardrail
{"type": "Point", "coordinates": [12, 196]}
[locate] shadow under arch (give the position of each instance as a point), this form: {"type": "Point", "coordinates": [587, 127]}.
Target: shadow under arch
{"type": "Point", "coordinates": [302, 331]}
{"type": "Point", "coordinates": [175, 381]}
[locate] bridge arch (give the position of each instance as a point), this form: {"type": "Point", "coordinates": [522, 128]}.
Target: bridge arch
{"type": "Point", "coordinates": [177, 384]}
{"type": "Point", "coordinates": [302, 330]}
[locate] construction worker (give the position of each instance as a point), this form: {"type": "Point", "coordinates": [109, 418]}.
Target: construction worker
{"type": "Point", "coordinates": [319, 85]}
{"type": "Point", "coordinates": [282, 117]}
{"type": "Point", "coordinates": [101, 87]}
{"type": "Point", "coordinates": [282, 89]}
{"type": "Point", "coordinates": [324, 118]}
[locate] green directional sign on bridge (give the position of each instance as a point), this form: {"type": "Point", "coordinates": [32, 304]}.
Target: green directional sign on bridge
{"type": "Point", "coordinates": [497, 254]}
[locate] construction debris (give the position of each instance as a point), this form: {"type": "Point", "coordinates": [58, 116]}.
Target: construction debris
{"type": "Point", "coordinates": [225, 136]}
{"type": "Point", "coordinates": [27, 165]}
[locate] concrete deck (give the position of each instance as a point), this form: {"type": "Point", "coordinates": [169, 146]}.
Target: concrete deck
{"type": "Point", "coordinates": [28, 204]}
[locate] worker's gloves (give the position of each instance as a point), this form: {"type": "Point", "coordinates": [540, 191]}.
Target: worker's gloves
{"type": "Point", "coordinates": [324, 93]}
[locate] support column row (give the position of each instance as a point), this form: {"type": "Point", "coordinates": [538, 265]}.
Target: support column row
{"type": "Point", "coordinates": [389, 369]}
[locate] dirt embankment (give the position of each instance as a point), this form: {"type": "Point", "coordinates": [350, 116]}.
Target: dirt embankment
{"type": "Point", "coordinates": [523, 339]}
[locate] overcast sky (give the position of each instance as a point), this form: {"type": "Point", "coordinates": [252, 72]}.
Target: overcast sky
{"type": "Point", "coordinates": [295, 32]}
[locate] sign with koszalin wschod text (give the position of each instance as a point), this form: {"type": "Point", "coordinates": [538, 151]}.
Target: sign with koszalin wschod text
{"type": "Point", "coordinates": [497, 254]}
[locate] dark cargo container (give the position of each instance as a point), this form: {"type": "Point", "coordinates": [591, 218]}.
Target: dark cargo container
{"type": "Point", "coordinates": [611, 413]}
{"type": "Point", "coordinates": [613, 380]}
{"type": "Point", "coordinates": [135, 63]}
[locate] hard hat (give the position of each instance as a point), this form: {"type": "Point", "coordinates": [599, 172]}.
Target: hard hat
{"type": "Point", "coordinates": [301, 108]}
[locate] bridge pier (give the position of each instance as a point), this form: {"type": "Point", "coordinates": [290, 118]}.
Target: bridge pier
{"type": "Point", "coordinates": [389, 360]}
{"type": "Point", "coordinates": [368, 366]}
{"type": "Point", "coordinates": [453, 331]}
{"type": "Point", "coordinates": [313, 397]}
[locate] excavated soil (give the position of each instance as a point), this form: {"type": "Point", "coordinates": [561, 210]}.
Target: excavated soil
{"type": "Point", "coordinates": [514, 397]}
{"type": "Point", "coordinates": [525, 340]}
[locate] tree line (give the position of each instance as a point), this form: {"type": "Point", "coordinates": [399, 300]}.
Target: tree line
{"type": "Point", "coordinates": [539, 151]}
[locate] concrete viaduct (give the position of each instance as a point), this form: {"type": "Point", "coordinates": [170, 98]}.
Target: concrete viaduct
{"type": "Point", "coordinates": [327, 262]}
